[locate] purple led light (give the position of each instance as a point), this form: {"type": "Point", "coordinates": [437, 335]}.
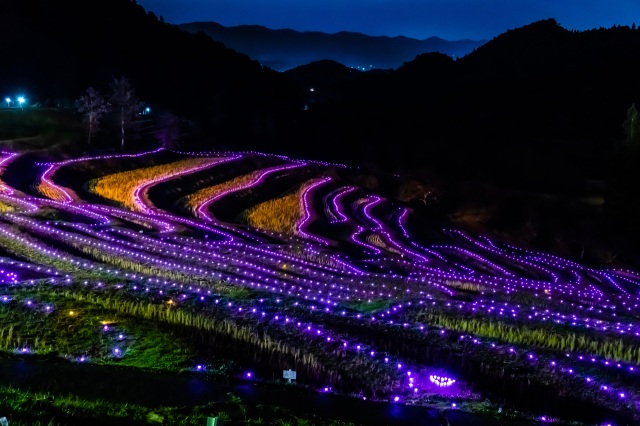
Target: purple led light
{"type": "Point", "coordinates": [441, 381]}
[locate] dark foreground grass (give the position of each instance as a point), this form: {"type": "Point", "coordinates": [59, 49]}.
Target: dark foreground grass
{"type": "Point", "coordinates": [37, 128]}
{"type": "Point", "coordinates": [36, 319]}
{"type": "Point", "coordinates": [22, 407]}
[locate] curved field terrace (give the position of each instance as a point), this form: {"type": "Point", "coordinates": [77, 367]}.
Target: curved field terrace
{"type": "Point", "coordinates": [258, 264]}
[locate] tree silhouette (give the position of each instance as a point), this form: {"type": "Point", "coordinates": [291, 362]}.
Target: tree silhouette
{"type": "Point", "coordinates": [123, 97]}
{"type": "Point", "coordinates": [632, 127]}
{"type": "Point", "coordinates": [622, 204]}
{"type": "Point", "coordinates": [93, 106]}
{"type": "Point", "coordinates": [168, 130]}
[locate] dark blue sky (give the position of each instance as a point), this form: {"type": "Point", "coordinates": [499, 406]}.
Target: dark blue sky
{"type": "Point", "coordinates": [449, 19]}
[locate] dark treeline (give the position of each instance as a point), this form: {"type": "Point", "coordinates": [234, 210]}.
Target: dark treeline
{"type": "Point", "coordinates": [53, 51]}
{"type": "Point", "coordinates": [538, 108]}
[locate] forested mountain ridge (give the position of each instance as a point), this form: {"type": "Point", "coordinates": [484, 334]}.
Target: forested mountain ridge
{"type": "Point", "coordinates": [536, 109]}
{"type": "Point", "coordinates": [54, 50]}
{"type": "Point", "coordinates": [538, 105]}
{"type": "Point", "coordinates": [538, 97]}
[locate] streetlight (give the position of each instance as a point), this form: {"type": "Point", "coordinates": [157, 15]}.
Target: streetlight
{"type": "Point", "coordinates": [21, 100]}
{"type": "Point", "coordinates": [8, 102]}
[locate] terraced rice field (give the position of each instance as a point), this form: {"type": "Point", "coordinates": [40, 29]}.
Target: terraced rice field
{"type": "Point", "coordinates": [291, 264]}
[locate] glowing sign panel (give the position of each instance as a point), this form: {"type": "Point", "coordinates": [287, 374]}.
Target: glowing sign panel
{"type": "Point", "coordinates": [288, 374]}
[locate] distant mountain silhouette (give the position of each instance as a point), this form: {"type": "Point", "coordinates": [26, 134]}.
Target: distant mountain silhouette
{"type": "Point", "coordinates": [539, 106]}
{"type": "Point", "coordinates": [285, 49]}
{"type": "Point", "coordinates": [536, 109]}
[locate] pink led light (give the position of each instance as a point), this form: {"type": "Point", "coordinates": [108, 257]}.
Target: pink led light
{"type": "Point", "coordinates": [202, 209]}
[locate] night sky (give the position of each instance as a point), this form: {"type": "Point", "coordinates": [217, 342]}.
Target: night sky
{"type": "Point", "coordinates": [449, 19]}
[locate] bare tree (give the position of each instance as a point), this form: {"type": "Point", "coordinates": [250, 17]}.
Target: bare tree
{"type": "Point", "coordinates": [93, 106]}
{"type": "Point", "coordinates": [124, 98]}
